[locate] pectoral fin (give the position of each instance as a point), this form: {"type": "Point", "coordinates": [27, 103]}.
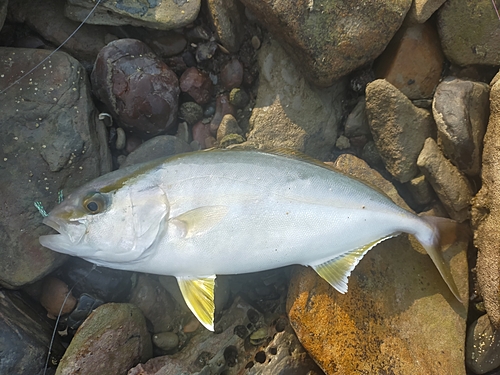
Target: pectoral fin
{"type": "Point", "coordinates": [200, 220]}
{"type": "Point", "coordinates": [199, 296]}
{"type": "Point", "coordinates": [337, 270]}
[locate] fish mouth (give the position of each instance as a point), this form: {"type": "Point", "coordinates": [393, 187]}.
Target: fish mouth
{"type": "Point", "coordinates": [51, 222]}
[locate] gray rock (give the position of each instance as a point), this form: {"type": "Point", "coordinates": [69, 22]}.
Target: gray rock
{"type": "Point", "coordinates": [163, 15]}
{"type": "Point", "coordinates": [330, 39]}
{"type": "Point", "coordinates": [24, 337]}
{"type": "Point", "coordinates": [420, 190]}
{"type": "Point", "coordinates": [286, 104]}
{"type": "Point", "coordinates": [399, 128]}
{"type": "Point", "coordinates": [461, 110]}
{"type": "Point", "coordinates": [47, 18]}
{"type": "Point", "coordinates": [191, 112]}
{"type": "Point", "coordinates": [166, 340]}
{"type": "Point", "coordinates": [357, 121]}
{"type": "Point", "coordinates": [227, 19]}
{"type": "Point", "coordinates": [157, 147]}
{"type": "Point", "coordinates": [227, 126]}
{"type": "Point", "coordinates": [422, 10]}
{"type": "Point", "coordinates": [482, 348]}
{"type": "Point", "coordinates": [450, 185]}
{"type": "Point", "coordinates": [469, 32]}
{"type": "Point", "coordinates": [112, 340]}
{"type": "Point", "coordinates": [50, 140]}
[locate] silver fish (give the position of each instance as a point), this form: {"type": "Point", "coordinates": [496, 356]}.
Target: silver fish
{"type": "Point", "coordinates": [203, 214]}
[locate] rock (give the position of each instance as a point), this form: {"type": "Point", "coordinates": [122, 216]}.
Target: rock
{"type": "Point", "coordinates": [201, 132]}
{"type": "Point", "coordinates": [226, 16]}
{"type": "Point", "coordinates": [450, 185]}
{"type": "Point", "coordinates": [331, 39]}
{"type": "Point", "coordinates": [205, 51]}
{"type": "Point", "coordinates": [482, 348]}
{"type": "Point", "coordinates": [342, 143]}
{"type": "Point", "coordinates": [461, 110]}
{"type": "Point", "coordinates": [50, 140]}
{"type": "Point", "coordinates": [112, 340]}
{"type": "Point", "coordinates": [47, 18]}
{"type": "Point", "coordinates": [167, 44]}
{"type": "Point", "coordinates": [3, 12]}
{"type": "Point", "coordinates": [286, 103]}
{"type": "Point", "coordinates": [121, 139]}
{"type": "Point", "coordinates": [222, 108]}
{"type": "Point", "coordinates": [413, 61]}
{"type": "Point", "coordinates": [231, 139]}
{"type": "Point", "coordinates": [157, 147]}
{"type": "Point", "coordinates": [139, 90]}
{"type": "Point", "coordinates": [486, 215]}
{"type": "Point", "coordinates": [231, 75]}
{"type": "Point", "coordinates": [371, 155]}
{"type": "Point", "coordinates": [228, 125]}
{"type": "Point", "coordinates": [55, 293]}
{"type": "Point", "coordinates": [422, 10]}
{"type": "Point", "coordinates": [163, 15]}
{"type": "Point", "coordinates": [357, 122]}
{"type": "Point", "coordinates": [156, 304]}
{"type": "Point", "coordinates": [191, 112]}
{"type": "Point", "coordinates": [239, 98]}
{"type": "Point", "coordinates": [469, 32]}
{"type": "Point", "coordinates": [197, 85]}
{"type": "Point", "coordinates": [24, 337]}
{"type": "Point", "coordinates": [84, 307]}
{"type": "Point", "coordinates": [166, 340]}
{"type": "Point", "coordinates": [398, 312]}
{"type": "Point", "coordinates": [420, 190]}
{"type": "Point", "coordinates": [399, 128]}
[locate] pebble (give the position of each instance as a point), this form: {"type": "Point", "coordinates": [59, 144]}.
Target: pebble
{"type": "Point", "coordinates": [86, 304]}
{"type": "Point", "coordinates": [482, 348]}
{"type": "Point", "coordinates": [191, 112]}
{"type": "Point", "coordinates": [452, 188]}
{"type": "Point", "coordinates": [231, 139]}
{"type": "Point", "coordinates": [201, 132]}
{"type": "Point", "coordinates": [166, 340]}
{"type": "Point", "coordinates": [197, 84]}
{"type": "Point", "coordinates": [205, 51]}
{"type": "Point", "coordinates": [55, 293]}
{"type": "Point", "coordinates": [342, 143]}
{"type": "Point", "coordinates": [231, 74]}
{"type": "Point", "coordinates": [357, 121]}
{"type": "Point", "coordinates": [121, 139]}
{"type": "Point", "coordinates": [133, 142]}
{"type": "Point", "coordinates": [255, 42]}
{"type": "Point", "coordinates": [420, 190]}
{"type": "Point", "coordinates": [228, 126]}
{"type": "Point", "coordinates": [138, 88]}
{"type": "Point", "coordinates": [227, 22]}
{"type": "Point", "coordinates": [259, 337]}
{"type": "Point", "coordinates": [168, 44]}
{"type": "Point", "coordinates": [239, 98]}
{"type": "Point", "coordinates": [222, 107]}
{"type": "Point", "coordinates": [191, 326]}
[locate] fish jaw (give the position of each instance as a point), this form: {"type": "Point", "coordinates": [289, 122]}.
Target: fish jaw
{"type": "Point", "coordinates": [69, 239]}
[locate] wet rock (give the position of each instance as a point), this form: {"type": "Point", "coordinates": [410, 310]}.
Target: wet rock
{"type": "Point", "coordinates": [461, 110]}
{"type": "Point", "coordinates": [167, 44]}
{"type": "Point", "coordinates": [47, 18]}
{"type": "Point", "coordinates": [157, 147]}
{"type": "Point", "coordinates": [286, 103]}
{"type": "Point", "coordinates": [156, 304]}
{"type": "Point", "coordinates": [469, 32]}
{"type": "Point", "coordinates": [231, 74]}
{"type": "Point", "coordinates": [24, 337]}
{"type": "Point", "coordinates": [36, 164]}
{"type": "Point", "coordinates": [331, 39]}
{"type": "Point", "coordinates": [357, 121]}
{"type": "Point", "coordinates": [450, 185]}
{"type": "Point", "coordinates": [398, 312]}
{"type": "Point", "coordinates": [228, 125]}
{"type": "Point", "coordinates": [138, 88]}
{"type": "Point", "coordinates": [420, 190]}
{"type": "Point", "coordinates": [226, 16]}
{"type": "Point", "coordinates": [399, 128]}
{"type": "Point", "coordinates": [422, 10]}
{"type": "Point", "coordinates": [486, 214]}
{"type": "Point", "coordinates": [166, 340]}
{"type": "Point", "coordinates": [191, 112]}
{"type": "Point", "coordinates": [163, 15]}
{"type": "Point", "coordinates": [55, 294]}
{"type": "Point", "coordinates": [413, 61]}
{"type": "Point", "coordinates": [197, 85]}
{"type": "Point", "coordinates": [112, 340]}
{"type": "Point", "coordinates": [222, 108]}
{"type": "Point", "coordinates": [239, 98]}
{"type": "Point", "coordinates": [482, 349]}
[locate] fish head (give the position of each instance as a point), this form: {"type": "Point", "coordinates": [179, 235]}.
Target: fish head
{"type": "Point", "coordinates": [107, 225]}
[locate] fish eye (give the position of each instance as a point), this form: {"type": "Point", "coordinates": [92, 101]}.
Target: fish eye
{"type": "Point", "coordinates": [94, 203]}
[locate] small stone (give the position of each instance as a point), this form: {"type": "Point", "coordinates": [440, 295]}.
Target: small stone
{"type": "Point", "coordinates": [222, 108]}
{"type": "Point", "coordinates": [255, 42]}
{"type": "Point", "coordinates": [228, 125]}
{"type": "Point", "coordinates": [133, 142]}
{"type": "Point", "coordinates": [422, 10]}
{"type": "Point", "coordinates": [357, 122]}
{"type": "Point", "coordinates": [205, 51]}
{"type": "Point", "coordinates": [452, 188]}
{"type": "Point", "coordinates": [160, 146]}
{"type": "Point", "coordinates": [166, 340]}
{"type": "Point", "coordinates": [191, 326]}
{"type": "Point", "coordinates": [399, 128]}
{"type": "Point", "coordinates": [259, 337]}
{"type": "Point", "coordinates": [210, 142]}
{"type": "Point", "coordinates": [191, 112]}
{"type": "Point", "coordinates": [168, 44]}
{"type": "Point", "coordinates": [482, 348]}
{"type": "Point", "coordinates": [183, 132]}
{"type": "Point", "coordinates": [371, 155]}
{"type": "Point", "coordinates": [228, 23]}
{"type": "Point", "coordinates": [342, 143]}
{"type": "Point", "coordinates": [197, 84]}
{"type": "Point", "coordinates": [201, 132]}
{"type": "Point", "coordinates": [231, 139]}
{"type": "Point", "coordinates": [420, 190]}
{"type": "Point", "coordinates": [239, 98]}
{"type": "Point", "coordinates": [231, 74]}
{"type": "Point", "coordinates": [121, 139]}
{"type": "Point", "coordinates": [55, 293]}
{"type": "Point", "coordinates": [461, 110]}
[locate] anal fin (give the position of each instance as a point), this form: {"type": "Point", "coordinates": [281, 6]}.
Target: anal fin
{"type": "Point", "coordinates": [337, 270]}
{"type": "Point", "coordinates": [199, 296]}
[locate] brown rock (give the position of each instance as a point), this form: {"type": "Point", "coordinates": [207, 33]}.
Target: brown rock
{"type": "Point", "coordinates": [231, 74]}
{"type": "Point", "coordinates": [486, 214]}
{"type": "Point", "coordinates": [227, 18]}
{"type": "Point", "coordinates": [329, 39]}
{"type": "Point", "coordinates": [197, 84]}
{"type": "Point", "coordinates": [223, 107]}
{"type": "Point", "coordinates": [483, 346]}
{"type": "Point", "coordinates": [422, 10]}
{"type": "Point", "coordinates": [55, 293]}
{"type": "Point", "coordinates": [399, 128]}
{"type": "Point", "coordinates": [228, 125]}
{"type": "Point", "coordinates": [201, 132]}
{"type": "Point", "coordinates": [450, 185]}
{"type": "Point", "coordinates": [420, 190]}
{"type": "Point", "coordinates": [413, 61]}
{"type": "Point", "coordinates": [357, 122]}
{"type": "Point", "coordinates": [461, 110]}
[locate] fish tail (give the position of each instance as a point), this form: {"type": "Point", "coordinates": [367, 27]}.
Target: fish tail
{"type": "Point", "coordinates": [445, 232]}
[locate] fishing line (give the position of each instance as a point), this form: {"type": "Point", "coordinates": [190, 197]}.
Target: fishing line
{"type": "Point", "coordinates": [54, 51]}
{"type": "Point", "coordinates": [59, 318]}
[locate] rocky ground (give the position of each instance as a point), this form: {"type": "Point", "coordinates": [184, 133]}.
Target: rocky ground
{"type": "Point", "coordinates": [402, 94]}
